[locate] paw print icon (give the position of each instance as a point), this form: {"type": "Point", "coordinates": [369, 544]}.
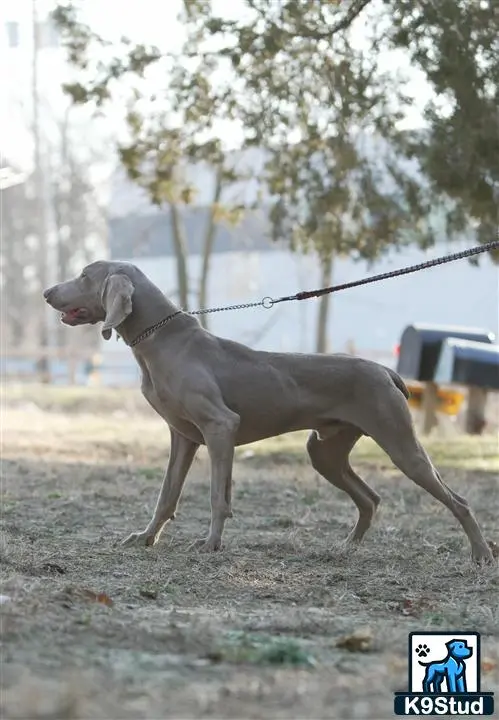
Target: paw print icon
{"type": "Point", "coordinates": [422, 650]}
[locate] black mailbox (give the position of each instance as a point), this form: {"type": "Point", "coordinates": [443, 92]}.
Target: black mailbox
{"type": "Point", "coordinates": [420, 347]}
{"type": "Point", "coordinates": [468, 363]}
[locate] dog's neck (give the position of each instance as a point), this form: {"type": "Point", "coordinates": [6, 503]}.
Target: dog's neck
{"type": "Point", "coordinates": [148, 308]}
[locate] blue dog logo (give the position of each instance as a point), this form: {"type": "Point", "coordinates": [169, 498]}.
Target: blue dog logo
{"type": "Point", "coordinates": [452, 669]}
{"type": "Point", "coordinates": [444, 687]}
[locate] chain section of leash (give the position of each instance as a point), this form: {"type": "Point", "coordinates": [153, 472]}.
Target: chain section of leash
{"type": "Point", "coordinates": [265, 302]}
{"type": "Point", "coordinates": [268, 302]}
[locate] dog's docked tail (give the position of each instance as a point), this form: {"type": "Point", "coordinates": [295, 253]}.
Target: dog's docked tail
{"type": "Point", "coordinates": [399, 383]}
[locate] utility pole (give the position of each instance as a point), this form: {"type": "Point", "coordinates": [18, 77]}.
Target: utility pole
{"type": "Point", "coordinates": [39, 187]}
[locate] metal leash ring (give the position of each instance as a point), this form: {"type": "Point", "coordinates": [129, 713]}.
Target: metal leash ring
{"type": "Point", "coordinates": [267, 302]}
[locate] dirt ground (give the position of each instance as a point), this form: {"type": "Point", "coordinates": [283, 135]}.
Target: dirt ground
{"type": "Point", "coordinates": [280, 624]}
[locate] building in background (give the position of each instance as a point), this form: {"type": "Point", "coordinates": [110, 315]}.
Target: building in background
{"type": "Point", "coordinates": [17, 35]}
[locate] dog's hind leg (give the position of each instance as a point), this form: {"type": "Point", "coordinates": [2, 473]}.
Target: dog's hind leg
{"type": "Point", "coordinates": [393, 430]}
{"type": "Point", "coordinates": [329, 458]}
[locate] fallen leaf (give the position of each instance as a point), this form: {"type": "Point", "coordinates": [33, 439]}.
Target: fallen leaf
{"type": "Point", "coordinates": [359, 641]}
{"type": "Point", "coordinates": [488, 664]}
{"type": "Point", "coordinates": [104, 599]}
{"type": "Point", "coordinates": [408, 607]}
{"type": "Point", "coordinates": [90, 595]}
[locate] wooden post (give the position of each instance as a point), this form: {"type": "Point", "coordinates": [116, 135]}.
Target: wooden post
{"type": "Point", "coordinates": [350, 347]}
{"type": "Point", "coordinates": [475, 412]}
{"type": "Point", "coordinates": [42, 367]}
{"type": "Point", "coordinates": [72, 362]}
{"type": "Point", "coordinates": [429, 407]}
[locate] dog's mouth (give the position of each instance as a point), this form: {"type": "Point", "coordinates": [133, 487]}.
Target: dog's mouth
{"type": "Point", "coordinates": [74, 316]}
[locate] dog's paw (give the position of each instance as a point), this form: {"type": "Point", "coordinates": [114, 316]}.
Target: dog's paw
{"type": "Point", "coordinates": [139, 539]}
{"type": "Point", "coordinates": [347, 546]}
{"type": "Point", "coordinates": [208, 545]}
{"type": "Point", "coordinates": [486, 555]}
{"type": "Point", "coordinates": [422, 650]}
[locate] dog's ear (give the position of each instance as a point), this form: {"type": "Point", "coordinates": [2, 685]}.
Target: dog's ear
{"type": "Point", "coordinates": [116, 301]}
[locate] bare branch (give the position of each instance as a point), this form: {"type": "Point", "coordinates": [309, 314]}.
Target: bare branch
{"type": "Point", "coordinates": [352, 13]}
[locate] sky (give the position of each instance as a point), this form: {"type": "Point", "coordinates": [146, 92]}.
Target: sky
{"type": "Point", "coordinates": [148, 21]}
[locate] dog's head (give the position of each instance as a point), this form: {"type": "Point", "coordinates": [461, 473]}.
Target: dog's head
{"type": "Point", "coordinates": [102, 292]}
{"type": "Point", "coordinates": [459, 650]}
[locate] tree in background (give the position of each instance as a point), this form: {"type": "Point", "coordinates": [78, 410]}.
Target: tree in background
{"type": "Point", "coordinates": [77, 219]}
{"type": "Point", "coordinates": [157, 157]}
{"type": "Point", "coordinates": [168, 133]}
{"type": "Point", "coordinates": [17, 269]}
{"type": "Point", "coordinates": [337, 170]}
{"type": "Point", "coordinates": [455, 44]}
{"type": "Point", "coordinates": [343, 177]}
{"type": "Point", "coordinates": [78, 216]}
{"type": "Point", "coordinates": [313, 96]}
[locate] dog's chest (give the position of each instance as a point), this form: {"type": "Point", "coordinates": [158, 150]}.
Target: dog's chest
{"type": "Point", "coordinates": [165, 403]}
{"type": "Point", "coordinates": [170, 409]}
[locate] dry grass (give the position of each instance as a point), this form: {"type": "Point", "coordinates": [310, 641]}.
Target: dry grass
{"type": "Point", "coordinates": [252, 632]}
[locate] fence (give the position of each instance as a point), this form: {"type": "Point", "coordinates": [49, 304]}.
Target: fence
{"type": "Point", "coordinates": [75, 366]}
{"type": "Point", "coordinates": [70, 366]}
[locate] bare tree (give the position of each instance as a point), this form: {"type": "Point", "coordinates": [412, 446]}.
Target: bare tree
{"type": "Point", "coordinates": [15, 256]}
{"type": "Point", "coordinates": [161, 143]}
{"type": "Point", "coordinates": [79, 218]}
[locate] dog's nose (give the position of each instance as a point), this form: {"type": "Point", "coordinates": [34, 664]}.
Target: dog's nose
{"type": "Point", "coordinates": [47, 293]}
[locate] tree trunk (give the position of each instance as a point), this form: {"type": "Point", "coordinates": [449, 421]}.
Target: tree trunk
{"type": "Point", "coordinates": [63, 272]}
{"type": "Point", "coordinates": [61, 218]}
{"type": "Point", "coordinates": [39, 191]}
{"type": "Point", "coordinates": [321, 345]}
{"type": "Point", "coordinates": [209, 240]}
{"type": "Point", "coordinates": [14, 230]}
{"type": "Point", "coordinates": [180, 247]}
{"type": "Point", "coordinates": [62, 265]}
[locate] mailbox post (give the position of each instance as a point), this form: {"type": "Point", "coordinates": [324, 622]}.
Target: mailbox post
{"type": "Point", "coordinates": [475, 365]}
{"type": "Point", "coordinates": [422, 351]}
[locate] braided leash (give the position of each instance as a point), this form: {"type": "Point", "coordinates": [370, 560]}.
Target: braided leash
{"type": "Point", "coordinates": [268, 302]}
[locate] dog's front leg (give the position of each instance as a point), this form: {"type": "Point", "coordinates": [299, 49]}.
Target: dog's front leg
{"type": "Point", "coordinates": [182, 453]}
{"type": "Point", "coordinates": [220, 439]}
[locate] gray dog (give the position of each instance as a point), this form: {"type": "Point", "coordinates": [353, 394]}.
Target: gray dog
{"type": "Point", "coordinates": [222, 394]}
